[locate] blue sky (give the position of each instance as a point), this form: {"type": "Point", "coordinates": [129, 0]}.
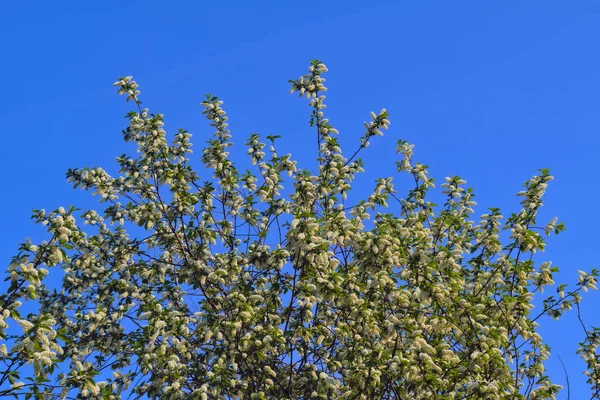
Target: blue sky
{"type": "Point", "coordinates": [490, 91]}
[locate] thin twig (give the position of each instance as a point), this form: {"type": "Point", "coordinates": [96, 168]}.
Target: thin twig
{"type": "Point", "coordinates": [566, 376]}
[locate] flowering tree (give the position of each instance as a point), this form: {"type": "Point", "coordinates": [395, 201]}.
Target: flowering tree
{"type": "Point", "coordinates": [232, 288]}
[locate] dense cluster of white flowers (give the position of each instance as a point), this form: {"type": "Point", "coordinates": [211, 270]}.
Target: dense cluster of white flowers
{"type": "Point", "coordinates": [226, 287]}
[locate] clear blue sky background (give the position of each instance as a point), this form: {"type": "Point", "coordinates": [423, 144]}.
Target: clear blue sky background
{"type": "Point", "coordinates": [490, 91]}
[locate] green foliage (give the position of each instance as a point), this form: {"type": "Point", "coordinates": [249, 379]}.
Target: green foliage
{"type": "Point", "coordinates": [220, 288]}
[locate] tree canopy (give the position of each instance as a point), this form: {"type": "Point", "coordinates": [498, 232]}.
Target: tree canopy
{"type": "Point", "coordinates": [234, 285]}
